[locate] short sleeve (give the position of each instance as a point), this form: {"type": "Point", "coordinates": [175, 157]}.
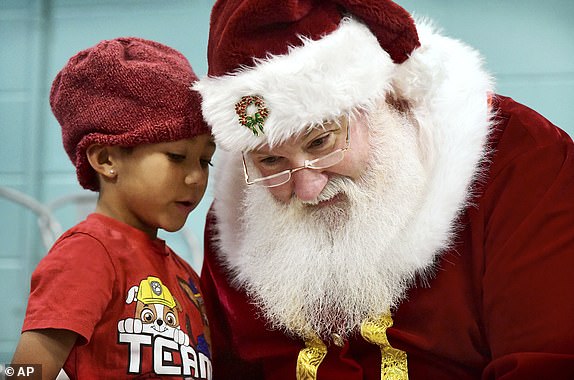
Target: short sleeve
{"type": "Point", "coordinates": [71, 286]}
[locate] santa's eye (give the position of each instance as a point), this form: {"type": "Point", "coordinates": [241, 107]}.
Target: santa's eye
{"type": "Point", "coordinates": [322, 142]}
{"type": "Point", "coordinates": [270, 161]}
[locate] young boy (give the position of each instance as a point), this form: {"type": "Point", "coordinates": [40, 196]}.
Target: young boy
{"type": "Point", "coordinates": [111, 300]}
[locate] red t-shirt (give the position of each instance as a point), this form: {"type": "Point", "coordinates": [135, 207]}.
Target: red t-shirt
{"type": "Point", "coordinates": [134, 303]}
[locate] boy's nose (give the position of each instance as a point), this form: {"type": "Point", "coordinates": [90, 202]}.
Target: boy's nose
{"type": "Point", "coordinates": [194, 176]}
{"type": "Point", "coordinates": [308, 183]}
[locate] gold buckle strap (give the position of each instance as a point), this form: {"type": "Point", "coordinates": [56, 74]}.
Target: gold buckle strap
{"type": "Point", "coordinates": [393, 361]}
{"type": "Point", "coordinates": [374, 331]}
{"type": "Point", "coordinates": [310, 358]}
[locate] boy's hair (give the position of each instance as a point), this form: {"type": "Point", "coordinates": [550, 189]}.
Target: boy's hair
{"type": "Point", "coordinates": [126, 91]}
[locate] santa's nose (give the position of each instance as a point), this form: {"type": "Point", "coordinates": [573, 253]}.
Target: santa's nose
{"type": "Point", "coordinates": [308, 183]}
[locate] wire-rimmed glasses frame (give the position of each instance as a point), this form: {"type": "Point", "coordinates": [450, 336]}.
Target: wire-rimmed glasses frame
{"type": "Point", "coordinates": [284, 176]}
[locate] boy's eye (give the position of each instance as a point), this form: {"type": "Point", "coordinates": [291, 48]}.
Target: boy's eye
{"type": "Point", "coordinates": [176, 157]}
{"type": "Point", "coordinates": [205, 163]}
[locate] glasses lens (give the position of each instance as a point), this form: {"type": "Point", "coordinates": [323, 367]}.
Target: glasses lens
{"type": "Point", "coordinates": [253, 176]}
{"type": "Point", "coordinates": [274, 180]}
{"type": "Point", "coordinates": [283, 175]}
{"type": "Point", "coordinates": [329, 160]}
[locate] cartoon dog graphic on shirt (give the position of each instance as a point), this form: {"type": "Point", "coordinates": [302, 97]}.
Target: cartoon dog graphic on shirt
{"type": "Point", "coordinates": [156, 312]}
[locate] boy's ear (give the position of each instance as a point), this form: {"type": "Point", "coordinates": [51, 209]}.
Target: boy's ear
{"type": "Point", "coordinates": [102, 160]}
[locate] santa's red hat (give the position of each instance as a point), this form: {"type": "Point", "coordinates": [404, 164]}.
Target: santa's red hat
{"type": "Point", "coordinates": [278, 67]}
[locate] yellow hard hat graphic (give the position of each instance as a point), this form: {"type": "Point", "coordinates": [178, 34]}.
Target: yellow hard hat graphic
{"type": "Point", "coordinates": [152, 291]}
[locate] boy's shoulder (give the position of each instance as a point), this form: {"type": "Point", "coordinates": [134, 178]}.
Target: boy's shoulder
{"type": "Point", "coordinates": [101, 225]}
{"type": "Point", "coordinates": [91, 227]}
{"type": "Point", "coordinates": [95, 233]}
{"type": "Point", "coordinates": [116, 237]}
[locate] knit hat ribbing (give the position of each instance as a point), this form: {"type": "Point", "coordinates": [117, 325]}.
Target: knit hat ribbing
{"type": "Point", "coordinates": [126, 91]}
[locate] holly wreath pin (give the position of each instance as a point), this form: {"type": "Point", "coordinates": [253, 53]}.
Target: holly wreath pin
{"type": "Point", "coordinates": [252, 113]}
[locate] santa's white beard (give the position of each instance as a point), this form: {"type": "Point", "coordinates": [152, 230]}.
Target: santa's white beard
{"type": "Point", "coordinates": [323, 270]}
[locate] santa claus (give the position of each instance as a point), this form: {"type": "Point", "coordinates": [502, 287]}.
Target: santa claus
{"type": "Point", "coordinates": [379, 211]}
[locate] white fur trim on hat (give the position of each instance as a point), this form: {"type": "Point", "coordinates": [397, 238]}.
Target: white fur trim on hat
{"type": "Point", "coordinates": [318, 81]}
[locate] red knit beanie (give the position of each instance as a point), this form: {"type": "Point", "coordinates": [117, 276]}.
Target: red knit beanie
{"type": "Point", "coordinates": [126, 91]}
{"type": "Point", "coordinates": [276, 67]}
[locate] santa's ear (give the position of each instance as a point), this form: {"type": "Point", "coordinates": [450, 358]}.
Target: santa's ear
{"type": "Point", "coordinates": [102, 160]}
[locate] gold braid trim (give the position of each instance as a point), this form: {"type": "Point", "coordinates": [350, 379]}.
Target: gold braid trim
{"type": "Point", "coordinates": [310, 358]}
{"type": "Point", "coordinates": [393, 361]}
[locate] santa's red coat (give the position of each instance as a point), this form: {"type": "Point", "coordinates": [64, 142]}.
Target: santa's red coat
{"type": "Point", "coordinates": [501, 303]}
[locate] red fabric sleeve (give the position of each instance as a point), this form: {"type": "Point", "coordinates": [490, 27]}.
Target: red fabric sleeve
{"type": "Point", "coordinates": [71, 286]}
{"type": "Point", "coordinates": [528, 278]}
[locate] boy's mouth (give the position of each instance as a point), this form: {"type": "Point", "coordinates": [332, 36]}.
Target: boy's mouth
{"type": "Point", "coordinates": [186, 206]}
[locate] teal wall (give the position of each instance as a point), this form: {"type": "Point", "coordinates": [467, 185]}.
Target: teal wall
{"type": "Point", "coordinates": [527, 45]}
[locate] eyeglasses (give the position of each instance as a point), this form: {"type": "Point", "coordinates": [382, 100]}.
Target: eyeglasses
{"type": "Point", "coordinates": [284, 176]}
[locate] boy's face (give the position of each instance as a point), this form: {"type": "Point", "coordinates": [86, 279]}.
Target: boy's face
{"type": "Point", "coordinates": [158, 185]}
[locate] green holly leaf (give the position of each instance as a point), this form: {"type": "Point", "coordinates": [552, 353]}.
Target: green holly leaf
{"type": "Point", "coordinates": [255, 124]}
